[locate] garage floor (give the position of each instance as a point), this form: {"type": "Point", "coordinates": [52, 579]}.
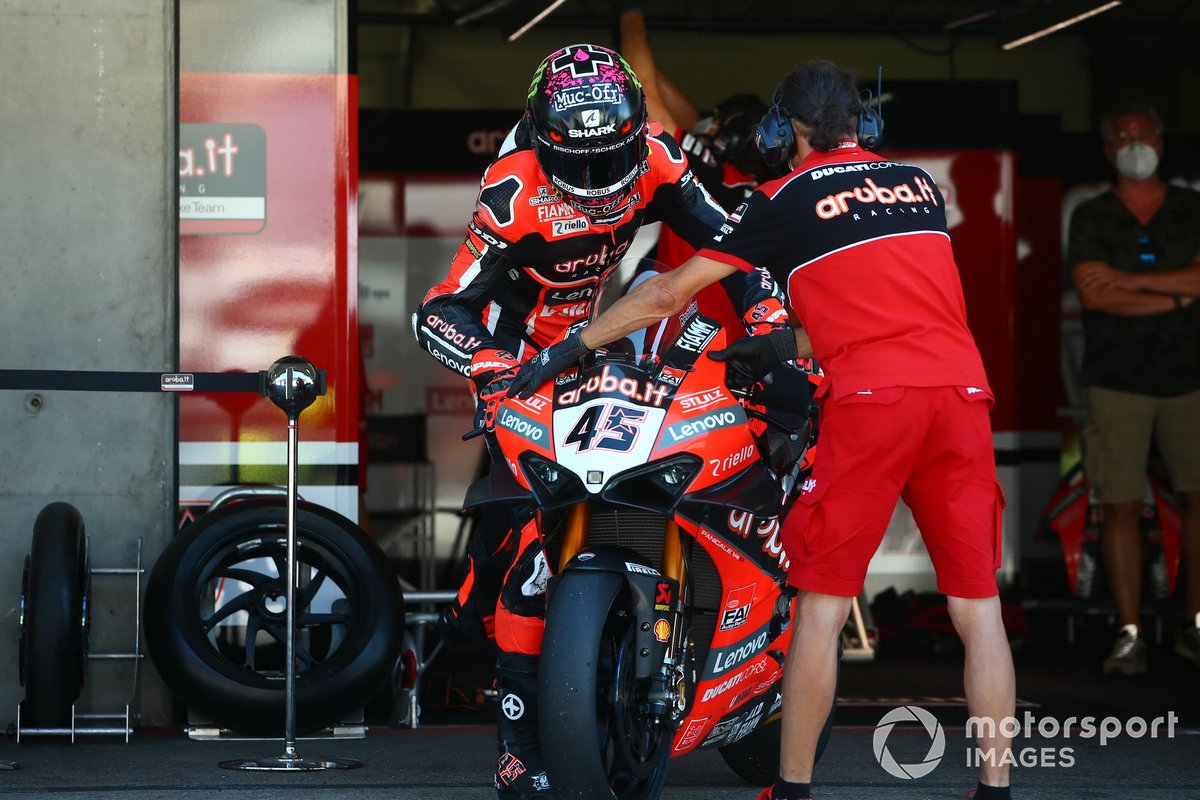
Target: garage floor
{"type": "Point", "coordinates": [450, 754]}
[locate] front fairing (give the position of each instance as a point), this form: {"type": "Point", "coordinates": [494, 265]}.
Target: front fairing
{"type": "Point", "coordinates": [646, 421]}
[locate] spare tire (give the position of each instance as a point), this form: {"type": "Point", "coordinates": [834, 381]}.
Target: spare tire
{"type": "Point", "coordinates": [54, 618]}
{"type": "Point", "coordinates": [216, 618]}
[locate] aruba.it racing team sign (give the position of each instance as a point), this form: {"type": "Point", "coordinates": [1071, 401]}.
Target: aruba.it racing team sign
{"type": "Point", "coordinates": [222, 179]}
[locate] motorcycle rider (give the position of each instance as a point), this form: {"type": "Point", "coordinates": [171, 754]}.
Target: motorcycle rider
{"type": "Point", "coordinates": [556, 211]}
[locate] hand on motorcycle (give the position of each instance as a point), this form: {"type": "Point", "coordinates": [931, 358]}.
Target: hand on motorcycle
{"type": "Point", "coordinates": [750, 358]}
{"type": "Point", "coordinates": [547, 365]}
{"type": "Point", "coordinates": [487, 401]}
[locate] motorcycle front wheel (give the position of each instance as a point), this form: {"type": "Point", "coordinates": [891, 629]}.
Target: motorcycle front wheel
{"type": "Point", "coordinates": [596, 740]}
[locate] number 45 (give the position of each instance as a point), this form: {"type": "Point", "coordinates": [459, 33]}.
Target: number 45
{"type": "Point", "coordinates": [607, 427]}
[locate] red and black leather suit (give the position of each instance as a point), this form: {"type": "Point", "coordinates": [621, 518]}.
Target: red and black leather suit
{"type": "Point", "coordinates": [529, 267]}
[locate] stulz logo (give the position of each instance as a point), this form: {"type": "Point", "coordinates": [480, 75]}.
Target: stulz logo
{"type": "Point", "coordinates": [834, 205]}
{"type": "Point", "coordinates": [698, 401]}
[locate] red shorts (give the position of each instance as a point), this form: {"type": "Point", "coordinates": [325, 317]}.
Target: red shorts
{"type": "Point", "coordinates": [931, 446]}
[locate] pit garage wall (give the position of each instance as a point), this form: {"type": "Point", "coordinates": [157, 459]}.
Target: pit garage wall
{"type": "Point", "coordinates": [87, 222]}
{"type": "Point", "coordinates": [1003, 221]}
{"type": "Point", "coordinates": [267, 248]}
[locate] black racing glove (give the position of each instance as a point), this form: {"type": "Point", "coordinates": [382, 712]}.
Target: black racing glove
{"type": "Point", "coordinates": [547, 365]}
{"type": "Point", "coordinates": [750, 358]}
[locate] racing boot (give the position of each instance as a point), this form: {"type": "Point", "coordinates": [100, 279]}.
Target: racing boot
{"type": "Point", "coordinates": [520, 774]}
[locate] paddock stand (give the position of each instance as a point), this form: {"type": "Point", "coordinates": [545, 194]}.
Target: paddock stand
{"type": "Point", "coordinates": [293, 384]}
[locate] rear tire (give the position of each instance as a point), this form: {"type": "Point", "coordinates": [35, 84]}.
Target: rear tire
{"type": "Point", "coordinates": [54, 618]}
{"type": "Point", "coordinates": [755, 758]}
{"type": "Point", "coordinates": [595, 742]}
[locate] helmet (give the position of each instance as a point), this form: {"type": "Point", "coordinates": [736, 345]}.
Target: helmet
{"type": "Point", "coordinates": [733, 142]}
{"type": "Point", "coordinates": [587, 119]}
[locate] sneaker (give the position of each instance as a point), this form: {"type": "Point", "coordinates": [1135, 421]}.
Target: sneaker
{"type": "Point", "coordinates": [1187, 641]}
{"type": "Point", "coordinates": [1129, 653]}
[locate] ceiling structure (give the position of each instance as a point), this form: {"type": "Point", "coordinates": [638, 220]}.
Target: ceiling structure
{"type": "Point", "coordinates": [1166, 18]}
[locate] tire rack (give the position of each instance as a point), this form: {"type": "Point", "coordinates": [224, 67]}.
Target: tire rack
{"type": "Point", "coordinates": [406, 707]}
{"type": "Point", "coordinates": [94, 381]}
{"type": "Point", "coordinates": [85, 723]}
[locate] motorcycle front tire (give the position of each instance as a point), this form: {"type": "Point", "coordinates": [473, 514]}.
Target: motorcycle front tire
{"type": "Point", "coordinates": [595, 742]}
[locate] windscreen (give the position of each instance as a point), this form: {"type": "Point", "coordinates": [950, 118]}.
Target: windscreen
{"type": "Point", "coordinates": [652, 340]}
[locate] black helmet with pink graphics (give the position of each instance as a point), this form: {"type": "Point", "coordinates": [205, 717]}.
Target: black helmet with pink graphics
{"type": "Point", "coordinates": [587, 120]}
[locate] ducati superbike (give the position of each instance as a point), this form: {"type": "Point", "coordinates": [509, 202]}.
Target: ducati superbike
{"type": "Point", "coordinates": [658, 494]}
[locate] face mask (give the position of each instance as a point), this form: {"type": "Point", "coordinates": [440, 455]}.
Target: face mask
{"type": "Point", "coordinates": [1137, 161]}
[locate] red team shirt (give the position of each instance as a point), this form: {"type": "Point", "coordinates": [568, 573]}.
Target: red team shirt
{"type": "Point", "coordinates": [871, 326]}
{"type": "Point", "coordinates": [861, 245]}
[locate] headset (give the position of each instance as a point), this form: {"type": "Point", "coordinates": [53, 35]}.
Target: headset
{"type": "Point", "coordinates": [870, 120]}
{"type": "Point", "coordinates": [776, 140]}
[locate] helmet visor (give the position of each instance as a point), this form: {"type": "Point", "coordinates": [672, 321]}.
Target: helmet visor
{"type": "Point", "coordinates": [595, 178]}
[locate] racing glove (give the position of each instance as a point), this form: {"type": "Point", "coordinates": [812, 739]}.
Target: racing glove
{"type": "Point", "coordinates": [487, 402]}
{"type": "Point", "coordinates": [491, 373]}
{"type": "Point", "coordinates": [547, 365]}
{"type": "Point", "coordinates": [750, 358]}
{"type": "Point", "coordinates": [489, 365]}
{"type": "Point", "coordinates": [765, 316]}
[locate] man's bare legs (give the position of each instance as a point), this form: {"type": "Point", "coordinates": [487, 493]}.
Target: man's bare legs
{"type": "Point", "coordinates": [809, 680]}
{"type": "Point", "coordinates": [988, 676]}
{"type": "Point", "coordinates": [1122, 548]}
{"type": "Point", "coordinates": [811, 675]}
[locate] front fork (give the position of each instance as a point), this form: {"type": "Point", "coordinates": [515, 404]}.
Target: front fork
{"type": "Point", "coordinates": [668, 698]}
